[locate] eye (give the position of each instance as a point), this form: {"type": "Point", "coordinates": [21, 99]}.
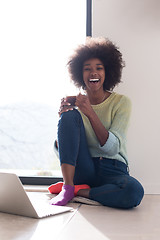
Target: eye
{"type": "Point", "coordinates": [86, 69]}
{"type": "Point", "coordinates": [100, 68]}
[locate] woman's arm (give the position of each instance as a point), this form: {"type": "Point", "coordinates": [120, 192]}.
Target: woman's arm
{"type": "Point", "coordinates": [110, 140]}
{"type": "Point", "coordinates": [85, 107]}
{"type": "Point", "coordinates": [101, 133]}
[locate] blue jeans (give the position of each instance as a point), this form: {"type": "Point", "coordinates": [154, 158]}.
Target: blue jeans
{"type": "Point", "coordinates": [110, 182]}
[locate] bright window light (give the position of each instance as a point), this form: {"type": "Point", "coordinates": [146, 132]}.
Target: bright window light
{"type": "Point", "coordinates": [37, 37]}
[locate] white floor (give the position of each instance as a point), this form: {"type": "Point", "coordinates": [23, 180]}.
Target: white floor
{"type": "Point", "coordinates": [88, 222]}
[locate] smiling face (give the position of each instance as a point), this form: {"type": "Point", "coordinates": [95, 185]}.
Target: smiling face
{"type": "Point", "coordinates": [93, 75]}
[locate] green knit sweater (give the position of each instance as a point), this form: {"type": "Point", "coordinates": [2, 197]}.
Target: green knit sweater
{"type": "Point", "coordinates": [114, 114]}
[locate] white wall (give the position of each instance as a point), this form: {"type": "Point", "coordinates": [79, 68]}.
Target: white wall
{"type": "Point", "coordinates": [134, 25]}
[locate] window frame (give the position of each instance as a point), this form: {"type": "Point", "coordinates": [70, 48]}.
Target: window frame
{"type": "Point", "coordinates": [44, 180]}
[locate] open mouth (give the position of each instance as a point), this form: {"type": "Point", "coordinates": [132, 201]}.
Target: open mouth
{"type": "Point", "coordinates": [94, 80]}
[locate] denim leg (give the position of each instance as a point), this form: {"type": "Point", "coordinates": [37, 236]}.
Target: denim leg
{"type": "Point", "coordinates": [73, 148]}
{"type": "Point", "coordinates": [116, 188]}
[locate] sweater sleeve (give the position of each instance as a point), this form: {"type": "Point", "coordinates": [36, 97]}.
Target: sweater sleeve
{"type": "Point", "coordinates": [111, 147]}
{"type": "Point", "coordinates": [118, 128]}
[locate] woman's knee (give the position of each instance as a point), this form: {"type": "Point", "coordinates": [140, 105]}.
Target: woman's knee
{"type": "Point", "coordinates": [70, 117]}
{"type": "Point", "coordinates": [134, 193]}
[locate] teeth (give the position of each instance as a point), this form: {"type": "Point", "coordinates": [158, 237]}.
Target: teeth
{"type": "Point", "coordinates": [94, 80]}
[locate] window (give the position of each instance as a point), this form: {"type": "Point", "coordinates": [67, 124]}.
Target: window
{"type": "Point", "coordinates": [37, 38]}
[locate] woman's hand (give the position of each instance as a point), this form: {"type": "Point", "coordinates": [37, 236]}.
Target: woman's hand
{"type": "Point", "coordinates": [65, 106]}
{"type": "Point", "coordinates": [83, 103]}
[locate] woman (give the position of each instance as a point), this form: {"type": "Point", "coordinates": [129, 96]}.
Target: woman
{"type": "Point", "coordinates": [92, 138]}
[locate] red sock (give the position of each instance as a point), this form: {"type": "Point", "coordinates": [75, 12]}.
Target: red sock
{"type": "Point", "coordinates": [57, 187]}
{"type": "Point", "coordinates": [79, 187]}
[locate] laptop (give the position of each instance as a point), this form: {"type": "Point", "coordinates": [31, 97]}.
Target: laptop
{"type": "Point", "coordinates": [14, 200]}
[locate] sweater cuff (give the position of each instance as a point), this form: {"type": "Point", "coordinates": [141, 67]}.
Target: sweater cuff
{"type": "Point", "coordinates": [111, 147]}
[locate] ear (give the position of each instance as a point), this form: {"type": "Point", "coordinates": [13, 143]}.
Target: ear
{"type": "Point", "coordinates": [84, 87]}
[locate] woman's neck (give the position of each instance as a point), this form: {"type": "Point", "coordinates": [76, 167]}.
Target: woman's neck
{"type": "Point", "coordinates": [99, 97]}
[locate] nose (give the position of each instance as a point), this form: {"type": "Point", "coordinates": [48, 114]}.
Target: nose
{"type": "Point", "coordinates": [93, 74]}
